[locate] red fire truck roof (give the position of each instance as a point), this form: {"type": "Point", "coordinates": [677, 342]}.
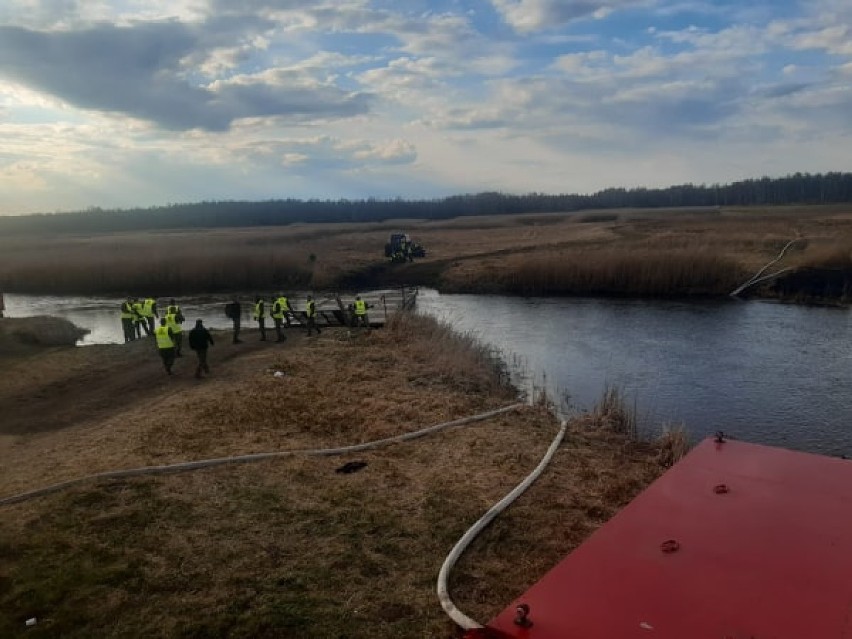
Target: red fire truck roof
{"type": "Point", "coordinates": [736, 541]}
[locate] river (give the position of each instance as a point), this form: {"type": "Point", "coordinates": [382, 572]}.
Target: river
{"type": "Point", "coordinates": [763, 372]}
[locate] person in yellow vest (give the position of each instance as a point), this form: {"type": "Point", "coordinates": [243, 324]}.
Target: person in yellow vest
{"type": "Point", "coordinates": [165, 344]}
{"type": "Point", "coordinates": [139, 320]}
{"type": "Point", "coordinates": [360, 307]}
{"type": "Point", "coordinates": [173, 321]}
{"type": "Point", "coordinates": [311, 315]}
{"type": "Point", "coordinates": [259, 315]}
{"type": "Point", "coordinates": [149, 312]}
{"type": "Point", "coordinates": [127, 320]}
{"type": "Point", "coordinates": [280, 313]}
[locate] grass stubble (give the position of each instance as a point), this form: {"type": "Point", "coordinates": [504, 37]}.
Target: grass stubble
{"type": "Point", "coordinates": [289, 547]}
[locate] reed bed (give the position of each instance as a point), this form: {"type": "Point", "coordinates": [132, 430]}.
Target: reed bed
{"type": "Point", "coordinates": [639, 273]}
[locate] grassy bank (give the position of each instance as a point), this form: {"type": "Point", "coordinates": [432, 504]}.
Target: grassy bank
{"type": "Point", "coordinates": [290, 547]}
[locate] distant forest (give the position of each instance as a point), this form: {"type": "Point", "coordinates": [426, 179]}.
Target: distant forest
{"type": "Point", "coordinates": [800, 188]}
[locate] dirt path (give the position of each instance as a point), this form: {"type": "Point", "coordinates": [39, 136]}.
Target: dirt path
{"type": "Point", "coordinates": [61, 388]}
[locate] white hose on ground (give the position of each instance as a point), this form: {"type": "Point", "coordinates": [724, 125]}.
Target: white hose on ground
{"type": "Point", "coordinates": [447, 604]}
{"type": "Point", "coordinates": [207, 463]}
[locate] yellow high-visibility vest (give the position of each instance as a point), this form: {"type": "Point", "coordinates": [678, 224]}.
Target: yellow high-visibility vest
{"type": "Point", "coordinates": [281, 305]}
{"type": "Point", "coordinates": [126, 310]}
{"type": "Point", "coordinates": [360, 307]}
{"type": "Point", "coordinates": [148, 308]}
{"type": "Point", "coordinates": [311, 309]}
{"type": "Point", "coordinates": [164, 340]}
{"type": "Point", "coordinates": [259, 310]}
{"type": "Point", "coordinates": [137, 311]}
{"type": "Point", "coordinates": [172, 323]}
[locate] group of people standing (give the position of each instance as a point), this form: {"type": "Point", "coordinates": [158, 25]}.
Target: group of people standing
{"type": "Point", "coordinates": [139, 315]}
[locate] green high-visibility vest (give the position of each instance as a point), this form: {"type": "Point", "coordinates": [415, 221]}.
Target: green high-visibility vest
{"type": "Point", "coordinates": [360, 307]}
{"type": "Point", "coordinates": [259, 310]}
{"type": "Point", "coordinates": [164, 340]}
{"type": "Point", "coordinates": [311, 308]}
{"type": "Point", "coordinates": [126, 310]}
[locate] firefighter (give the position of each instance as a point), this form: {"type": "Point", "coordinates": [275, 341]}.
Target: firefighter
{"type": "Point", "coordinates": [139, 319]}
{"type": "Point", "coordinates": [165, 344]}
{"type": "Point", "coordinates": [234, 312]}
{"type": "Point", "coordinates": [360, 307]}
{"type": "Point", "coordinates": [281, 312]}
{"type": "Point", "coordinates": [173, 322]}
{"type": "Point", "coordinates": [259, 316]}
{"type": "Point", "coordinates": [311, 315]}
{"type": "Point", "coordinates": [149, 312]}
{"type": "Point", "coordinates": [127, 320]}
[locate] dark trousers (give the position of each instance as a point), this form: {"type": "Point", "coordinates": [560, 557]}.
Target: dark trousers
{"type": "Point", "coordinates": [261, 323]}
{"type": "Point", "coordinates": [311, 321]}
{"type": "Point", "coordinates": [151, 325]}
{"type": "Point", "coordinates": [278, 332]}
{"type": "Point", "coordinates": [201, 353]}
{"type": "Point", "coordinates": [127, 329]}
{"type": "Point", "coordinates": [236, 321]}
{"type": "Point", "coordinates": [361, 320]}
{"type": "Point", "coordinates": [178, 340]}
{"type": "Point", "coordinates": [168, 355]}
{"type": "Point", "coordinates": [143, 324]}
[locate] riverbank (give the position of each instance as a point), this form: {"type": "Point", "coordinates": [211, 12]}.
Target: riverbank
{"type": "Point", "coordinates": [653, 253]}
{"type": "Point", "coordinates": [286, 547]}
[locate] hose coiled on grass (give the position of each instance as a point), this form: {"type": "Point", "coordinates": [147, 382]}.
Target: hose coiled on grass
{"type": "Point", "coordinates": [447, 604]}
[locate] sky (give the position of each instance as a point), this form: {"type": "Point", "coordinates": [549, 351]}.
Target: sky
{"type": "Point", "coordinates": [124, 103]}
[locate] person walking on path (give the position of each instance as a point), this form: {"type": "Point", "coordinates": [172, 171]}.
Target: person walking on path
{"type": "Point", "coordinates": [199, 341]}
{"type": "Point", "coordinates": [281, 312]}
{"type": "Point", "coordinates": [127, 320]}
{"type": "Point", "coordinates": [361, 312]}
{"type": "Point", "coordinates": [259, 316]}
{"type": "Point", "coordinates": [165, 344]}
{"type": "Point", "coordinates": [311, 315]}
{"type": "Point", "coordinates": [234, 311]}
{"type": "Point", "coordinates": [174, 321]}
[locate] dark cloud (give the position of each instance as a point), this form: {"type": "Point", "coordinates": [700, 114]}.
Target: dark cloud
{"type": "Point", "coordinates": [138, 71]}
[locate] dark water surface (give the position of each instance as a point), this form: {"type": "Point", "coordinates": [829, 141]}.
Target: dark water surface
{"type": "Point", "coordinates": [763, 372]}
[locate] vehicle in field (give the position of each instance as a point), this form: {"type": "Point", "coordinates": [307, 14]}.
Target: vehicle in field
{"type": "Point", "coordinates": [401, 248]}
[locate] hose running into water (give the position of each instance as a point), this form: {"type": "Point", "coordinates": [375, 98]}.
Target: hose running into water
{"type": "Point", "coordinates": [208, 463]}
{"type": "Point", "coordinates": [447, 604]}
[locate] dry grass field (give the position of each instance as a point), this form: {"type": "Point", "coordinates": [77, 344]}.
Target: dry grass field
{"type": "Point", "coordinates": [287, 547]}
{"type": "Point", "coordinates": [660, 252]}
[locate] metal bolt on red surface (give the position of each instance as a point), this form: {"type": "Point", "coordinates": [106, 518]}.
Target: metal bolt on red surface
{"type": "Point", "coordinates": [670, 546]}
{"type": "Point", "coordinates": [721, 489]}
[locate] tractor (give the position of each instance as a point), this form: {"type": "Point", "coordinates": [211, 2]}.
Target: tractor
{"type": "Point", "coordinates": [400, 248]}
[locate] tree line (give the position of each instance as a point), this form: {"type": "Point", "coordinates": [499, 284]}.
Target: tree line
{"type": "Point", "coordinates": [799, 188]}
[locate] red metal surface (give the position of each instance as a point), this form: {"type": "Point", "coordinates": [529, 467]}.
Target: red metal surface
{"type": "Point", "coordinates": [770, 557]}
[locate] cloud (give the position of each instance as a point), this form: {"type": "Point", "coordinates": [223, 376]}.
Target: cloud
{"type": "Point", "coordinates": [140, 71]}
{"type": "Point", "coordinates": [533, 15]}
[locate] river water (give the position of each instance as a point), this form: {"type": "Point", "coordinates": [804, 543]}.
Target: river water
{"type": "Point", "coordinates": [763, 372]}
